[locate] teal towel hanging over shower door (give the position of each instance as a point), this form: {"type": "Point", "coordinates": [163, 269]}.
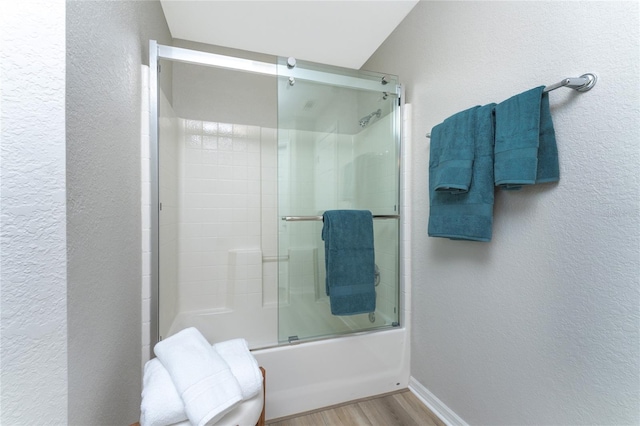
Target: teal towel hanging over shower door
{"type": "Point", "coordinates": [349, 261]}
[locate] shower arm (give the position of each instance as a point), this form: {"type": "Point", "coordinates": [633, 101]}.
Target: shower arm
{"type": "Point", "coordinates": [365, 120]}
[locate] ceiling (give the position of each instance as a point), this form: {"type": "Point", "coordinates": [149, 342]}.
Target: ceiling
{"type": "Point", "coordinates": [334, 32]}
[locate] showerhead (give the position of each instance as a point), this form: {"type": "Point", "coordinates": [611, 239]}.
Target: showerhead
{"type": "Point", "coordinates": [364, 121]}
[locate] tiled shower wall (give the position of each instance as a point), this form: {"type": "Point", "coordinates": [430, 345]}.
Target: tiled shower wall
{"type": "Point", "coordinates": [217, 187]}
{"type": "Point", "coordinates": [228, 178]}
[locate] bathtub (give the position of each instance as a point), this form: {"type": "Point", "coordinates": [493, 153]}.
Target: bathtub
{"type": "Point", "coordinates": [308, 375]}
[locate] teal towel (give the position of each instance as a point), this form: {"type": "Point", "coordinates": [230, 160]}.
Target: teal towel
{"type": "Point", "coordinates": [525, 149]}
{"type": "Point", "coordinates": [452, 152]}
{"type": "Point", "coordinates": [349, 261]}
{"type": "Point", "coordinates": [468, 216]}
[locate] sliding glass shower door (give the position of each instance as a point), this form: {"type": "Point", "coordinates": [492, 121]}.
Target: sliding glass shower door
{"type": "Point", "coordinates": [245, 158]}
{"type": "Point", "coordinates": [338, 148]}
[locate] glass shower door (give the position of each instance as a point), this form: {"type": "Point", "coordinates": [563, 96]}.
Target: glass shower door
{"type": "Point", "coordinates": [338, 148]}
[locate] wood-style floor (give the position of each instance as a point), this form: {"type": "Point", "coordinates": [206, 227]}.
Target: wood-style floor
{"type": "Point", "coordinates": [395, 409]}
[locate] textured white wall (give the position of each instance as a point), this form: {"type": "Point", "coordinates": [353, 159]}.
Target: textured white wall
{"type": "Point", "coordinates": [33, 211]}
{"type": "Point", "coordinates": [540, 326]}
{"type": "Point", "coordinates": [106, 43]}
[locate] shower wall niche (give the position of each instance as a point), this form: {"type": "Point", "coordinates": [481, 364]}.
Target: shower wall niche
{"type": "Point", "coordinates": [238, 152]}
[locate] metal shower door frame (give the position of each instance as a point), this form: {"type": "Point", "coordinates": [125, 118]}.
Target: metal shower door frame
{"type": "Point", "coordinates": [178, 54]}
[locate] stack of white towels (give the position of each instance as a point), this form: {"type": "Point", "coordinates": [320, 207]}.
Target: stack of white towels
{"type": "Point", "coordinates": [193, 382]}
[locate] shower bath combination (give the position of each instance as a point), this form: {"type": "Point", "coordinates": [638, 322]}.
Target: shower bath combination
{"type": "Point", "coordinates": [235, 163]}
{"type": "Point", "coordinates": [244, 164]}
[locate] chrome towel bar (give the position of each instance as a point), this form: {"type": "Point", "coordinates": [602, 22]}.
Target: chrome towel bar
{"type": "Point", "coordinates": [303, 218]}
{"type": "Point", "coordinates": [581, 84]}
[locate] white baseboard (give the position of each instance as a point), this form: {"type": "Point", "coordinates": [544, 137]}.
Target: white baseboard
{"type": "Point", "coordinates": [438, 407]}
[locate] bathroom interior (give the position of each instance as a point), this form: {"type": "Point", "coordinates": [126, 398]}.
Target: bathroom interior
{"type": "Point", "coordinates": [242, 142]}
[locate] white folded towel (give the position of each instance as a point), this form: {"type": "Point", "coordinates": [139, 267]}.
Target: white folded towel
{"type": "Point", "coordinates": [243, 365]}
{"type": "Point", "coordinates": [200, 375]}
{"type": "Point", "coordinates": [161, 404]}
